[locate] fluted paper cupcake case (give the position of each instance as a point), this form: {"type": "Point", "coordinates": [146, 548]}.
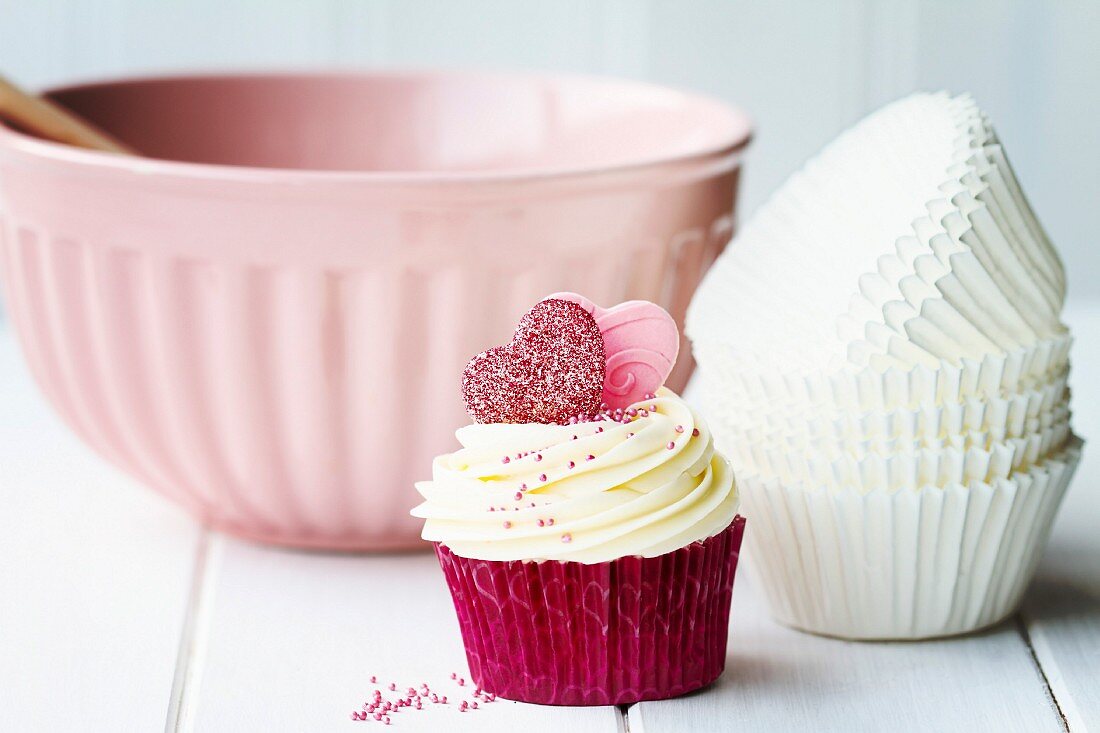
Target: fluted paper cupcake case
{"type": "Point", "coordinates": [1043, 437]}
{"type": "Point", "coordinates": [902, 565]}
{"type": "Point", "coordinates": [618, 632]}
{"type": "Point", "coordinates": [747, 383]}
{"type": "Point", "coordinates": [865, 469]}
{"type": "Point", "coordinates": [930, 299]}
{"type": "Point", "coordinates": [956, 262]}
{"type": "Point", "coordinates": [1000, 417]}
{"type": "Point", "coordinates": [936, 291]}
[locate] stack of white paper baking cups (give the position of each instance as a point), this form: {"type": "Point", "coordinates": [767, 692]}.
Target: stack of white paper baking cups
{"type": "Point", "coordinates": [882, 357]}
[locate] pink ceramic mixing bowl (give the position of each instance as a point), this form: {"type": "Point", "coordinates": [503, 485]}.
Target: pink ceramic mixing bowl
{"type": "Point", "coordinates": [265, 319]}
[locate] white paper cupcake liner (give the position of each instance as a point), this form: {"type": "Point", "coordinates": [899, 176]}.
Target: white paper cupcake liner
{"type": "Point", "coordinates": [1014, 416]}
{"type": "Point", "coordinates": [744, 382]}
{"type": "Point", "coordinates": [949, 263]}
{"type": "Point", "coordinates": [902, 565]}
{"type": "Point", "coordinates": [964, 287]}
{"type": "Point", "coordinates": [992, 179]}
{"type": "Point", "coordinates": [883, 359]}
{"type": "Point", "coordinates": [866, 470]}
{"type": "Point", "coordinates": [842, 438]}
{"type": "Point", "coordinates": [948, 297]}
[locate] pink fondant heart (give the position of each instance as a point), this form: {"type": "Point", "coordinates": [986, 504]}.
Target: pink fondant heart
{"type": "Point", "coordinates": [640, 341]}
{"type": "Point", "coordinates": [551, 371]}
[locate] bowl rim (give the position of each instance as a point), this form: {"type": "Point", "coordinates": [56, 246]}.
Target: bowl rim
{"type": "Point", "coordinates": [741, 129]}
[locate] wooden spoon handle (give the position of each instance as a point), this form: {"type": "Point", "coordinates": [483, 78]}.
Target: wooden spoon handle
{"type": "Point", "coordinates": [43, 118]}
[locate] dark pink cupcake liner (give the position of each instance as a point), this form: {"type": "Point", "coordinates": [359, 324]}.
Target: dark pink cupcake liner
{"type": "Point", "coordinates": [565, 633]}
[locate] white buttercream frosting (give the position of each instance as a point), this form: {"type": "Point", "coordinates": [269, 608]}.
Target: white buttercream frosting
{"type": "Point", "coordinates": [589, 493]}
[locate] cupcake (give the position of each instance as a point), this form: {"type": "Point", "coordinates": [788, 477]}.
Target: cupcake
{"type": "Point", "coordinates": [587, 528]}
{"type": "Point", "coordinates": [884, 350]}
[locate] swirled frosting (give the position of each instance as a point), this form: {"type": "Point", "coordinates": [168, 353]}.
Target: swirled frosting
{"type": "Point", "coordinates": [590, 492]}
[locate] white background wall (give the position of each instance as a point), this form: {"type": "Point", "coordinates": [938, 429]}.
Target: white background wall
{"type": "Point", "coordinates": [805, 69]}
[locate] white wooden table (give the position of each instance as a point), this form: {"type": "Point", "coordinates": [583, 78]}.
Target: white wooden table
{"type": "Point", "coordinates": [117, 613]}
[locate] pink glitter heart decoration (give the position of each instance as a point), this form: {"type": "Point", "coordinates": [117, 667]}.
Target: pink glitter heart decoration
{"type": "Point", "coordinates": [640, 340]}
{"type": "Point", "coordinates": [551, 371]}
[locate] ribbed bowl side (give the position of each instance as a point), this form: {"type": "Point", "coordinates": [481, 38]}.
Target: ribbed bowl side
{"type": "Point", "coordinates": [287, 403]}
